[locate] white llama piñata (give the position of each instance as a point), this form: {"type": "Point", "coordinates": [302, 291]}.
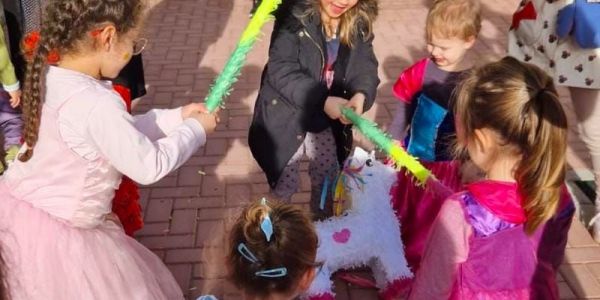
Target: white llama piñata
{"type": "Point", "coordinates": [367, 234]}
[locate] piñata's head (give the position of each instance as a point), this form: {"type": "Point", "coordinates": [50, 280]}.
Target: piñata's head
{"type": "Point", "coordinates": [367, 181]}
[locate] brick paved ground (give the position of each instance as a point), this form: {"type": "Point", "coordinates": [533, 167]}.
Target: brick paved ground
{"type": "Point", "coordinates": [186, 213]}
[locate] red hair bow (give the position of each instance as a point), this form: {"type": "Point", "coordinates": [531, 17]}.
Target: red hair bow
{"type": "Point", "coordinates": [30, 44]}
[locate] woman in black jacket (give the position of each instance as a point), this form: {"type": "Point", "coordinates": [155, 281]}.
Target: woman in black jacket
{"type": "Point", "coordinates": [320, 58]}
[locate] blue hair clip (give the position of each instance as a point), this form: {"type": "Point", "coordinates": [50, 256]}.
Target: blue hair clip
{"type": "Point", "coordinates": [272, 273]}
{"type": "Point", "coordinates": [266, 225]}
{"type": "Point", "coordinates": [246, 253]}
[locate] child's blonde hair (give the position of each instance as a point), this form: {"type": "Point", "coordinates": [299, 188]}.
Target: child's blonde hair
{"type": "Point", "coordinates": [454, 19]}
{"type": "Point", "coordinates": [292, 245]}
{"type": "Point", "coordinates": [356, 22]}
{"type": "Point", "coordinates": [518, 101]}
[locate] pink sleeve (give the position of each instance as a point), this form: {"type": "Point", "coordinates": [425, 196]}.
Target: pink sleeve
{"type": "Point", "coordinates": [158, 123]}
{"type": "Point", "coordinates": [410, 81]}
{"type": "Point", "coordinates": [447, 247]}
{"type": "Point", "coordinates": [111, 129]}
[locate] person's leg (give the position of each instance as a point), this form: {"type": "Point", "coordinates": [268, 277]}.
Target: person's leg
{"type": "Point", "coordinates": [586, 104]}
{"type": "Point", "coordinates": [289, 181]}
{"type": "Point", "coordinates": [323, 163]}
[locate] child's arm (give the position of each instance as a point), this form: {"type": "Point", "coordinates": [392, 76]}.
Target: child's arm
{"type": "Point", "coordinates": [7, 72]}
{"type": "Point", "coordinates": [157, 123]}
{"type": "Point", "coordinates": [410, 82]}
{"type": "Point", "coordinates": [399, 123]}
{"type": "Point", "coordinates": [446, 248]}
{"type": "Point", "coordinates": [135, 155]}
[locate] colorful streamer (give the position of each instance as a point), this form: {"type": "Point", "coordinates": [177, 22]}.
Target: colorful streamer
{"type": "Point", "coordinates": [233, 67]}
{"type": "Point", "coordinates": [385, 143]}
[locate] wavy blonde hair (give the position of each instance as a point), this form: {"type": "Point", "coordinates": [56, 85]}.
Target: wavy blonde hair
{"type": "Point", "coordinates": [454, 19]}
{"type": "Point", "coordinates": [518, 101]}
{"type": "Point", "coordinates": [357, 21]}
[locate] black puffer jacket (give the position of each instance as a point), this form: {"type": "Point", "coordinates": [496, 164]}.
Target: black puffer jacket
{"type": "Point", "coordinates": [292, 93]}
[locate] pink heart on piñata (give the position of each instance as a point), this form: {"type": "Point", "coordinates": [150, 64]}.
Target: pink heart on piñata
{"type": "Point", "coordinates": [342, 236]}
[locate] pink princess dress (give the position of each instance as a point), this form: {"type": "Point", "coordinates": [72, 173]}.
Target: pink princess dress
{"type": "Point", "coordinates": [427, 90]}
{"type": "Point", "coordinates": [478, 248]}
{"type": "Point", "coordinates": [57, 234]}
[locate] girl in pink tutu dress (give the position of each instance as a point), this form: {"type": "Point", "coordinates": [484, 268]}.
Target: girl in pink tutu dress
{"type": "Point", "coordinates": [427, 88]}
{"type": "Point", "coordinates": [59, 238]}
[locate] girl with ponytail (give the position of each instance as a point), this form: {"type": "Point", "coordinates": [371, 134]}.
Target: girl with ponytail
{"type": "Point", "coordinates": [512, 126]}
{"type": "Point", "coordinates": [60, 239]}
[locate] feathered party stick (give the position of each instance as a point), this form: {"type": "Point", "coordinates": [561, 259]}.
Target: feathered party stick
{"type": "Point", "coordinates": [232, 69]}
{"type": "Point", "coordinates": [385, 143]}
{"type": "Point", "coordinates": [398, 154]}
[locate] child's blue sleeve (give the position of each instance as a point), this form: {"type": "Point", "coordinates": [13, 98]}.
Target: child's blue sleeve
{"type": "Point", "coordinates": [565, 20]}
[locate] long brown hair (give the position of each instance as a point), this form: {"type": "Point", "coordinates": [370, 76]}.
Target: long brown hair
{"type": "Point", "coordinates": [64, 28]}
{"type": "Point", "coordinates": [293, 245]}
{"type": "Point", "coordinates": [519, 102]}
{"type": "Point", "coordinates": [356, 22]}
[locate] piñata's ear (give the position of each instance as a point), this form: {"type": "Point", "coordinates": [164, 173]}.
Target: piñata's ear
{"type": "Point", "coordinates": [360, 153]}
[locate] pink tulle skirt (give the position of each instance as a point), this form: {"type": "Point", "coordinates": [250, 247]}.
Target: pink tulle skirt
{"type": "Point", "coordinates": [48, 259]}
{"type": "Point", "coordinates": [417, 207]}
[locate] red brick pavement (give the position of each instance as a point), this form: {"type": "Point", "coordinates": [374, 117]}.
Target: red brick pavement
{"type": "Point", "coordinates": [187, 212]}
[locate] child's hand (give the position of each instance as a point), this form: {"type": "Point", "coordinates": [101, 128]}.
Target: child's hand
{"type": "Point", "coordinates": [355, 103]}
{"type": "Point", "coordinates": [187, 110]}
{"type": "Point", "coordinates": [333, 107]}
{"type": "Point", "coordinates": [208, 121]}
{"type": "Point", "coordinates": [15, 98]}
{"type": "Point", "coordinates": [199, 112]}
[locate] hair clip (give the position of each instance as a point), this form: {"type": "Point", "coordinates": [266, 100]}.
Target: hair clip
{"type": "Point", "coordinates": [246, 253]}
{"type": "Point", "coordinates": [53, 57]}
{"type": "Point", "coordinates": [272, 273]}
{"type": "Point", "coordinates": [95, 33]}
{"type": "Point", "coordinates": [266, 225]}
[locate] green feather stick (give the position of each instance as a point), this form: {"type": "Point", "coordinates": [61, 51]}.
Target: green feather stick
{"type": "Point", "coordinates": [222, 85]}
{"type": "Point", "coordinates": [384, 142]}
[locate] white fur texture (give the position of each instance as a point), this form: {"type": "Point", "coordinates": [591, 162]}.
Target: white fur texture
{"type": "Point", "coordinates": [374, 230]}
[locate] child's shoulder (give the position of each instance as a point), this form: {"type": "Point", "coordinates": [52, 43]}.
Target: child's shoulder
{"type": "Point", "coordinates": [65, 85]}
{"type": "Point", "coordinates": [288, 15]}
{"type": "Point", "coordinates": [418, 66]}
{"type": "Point", "coordinates": [410, 80]}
